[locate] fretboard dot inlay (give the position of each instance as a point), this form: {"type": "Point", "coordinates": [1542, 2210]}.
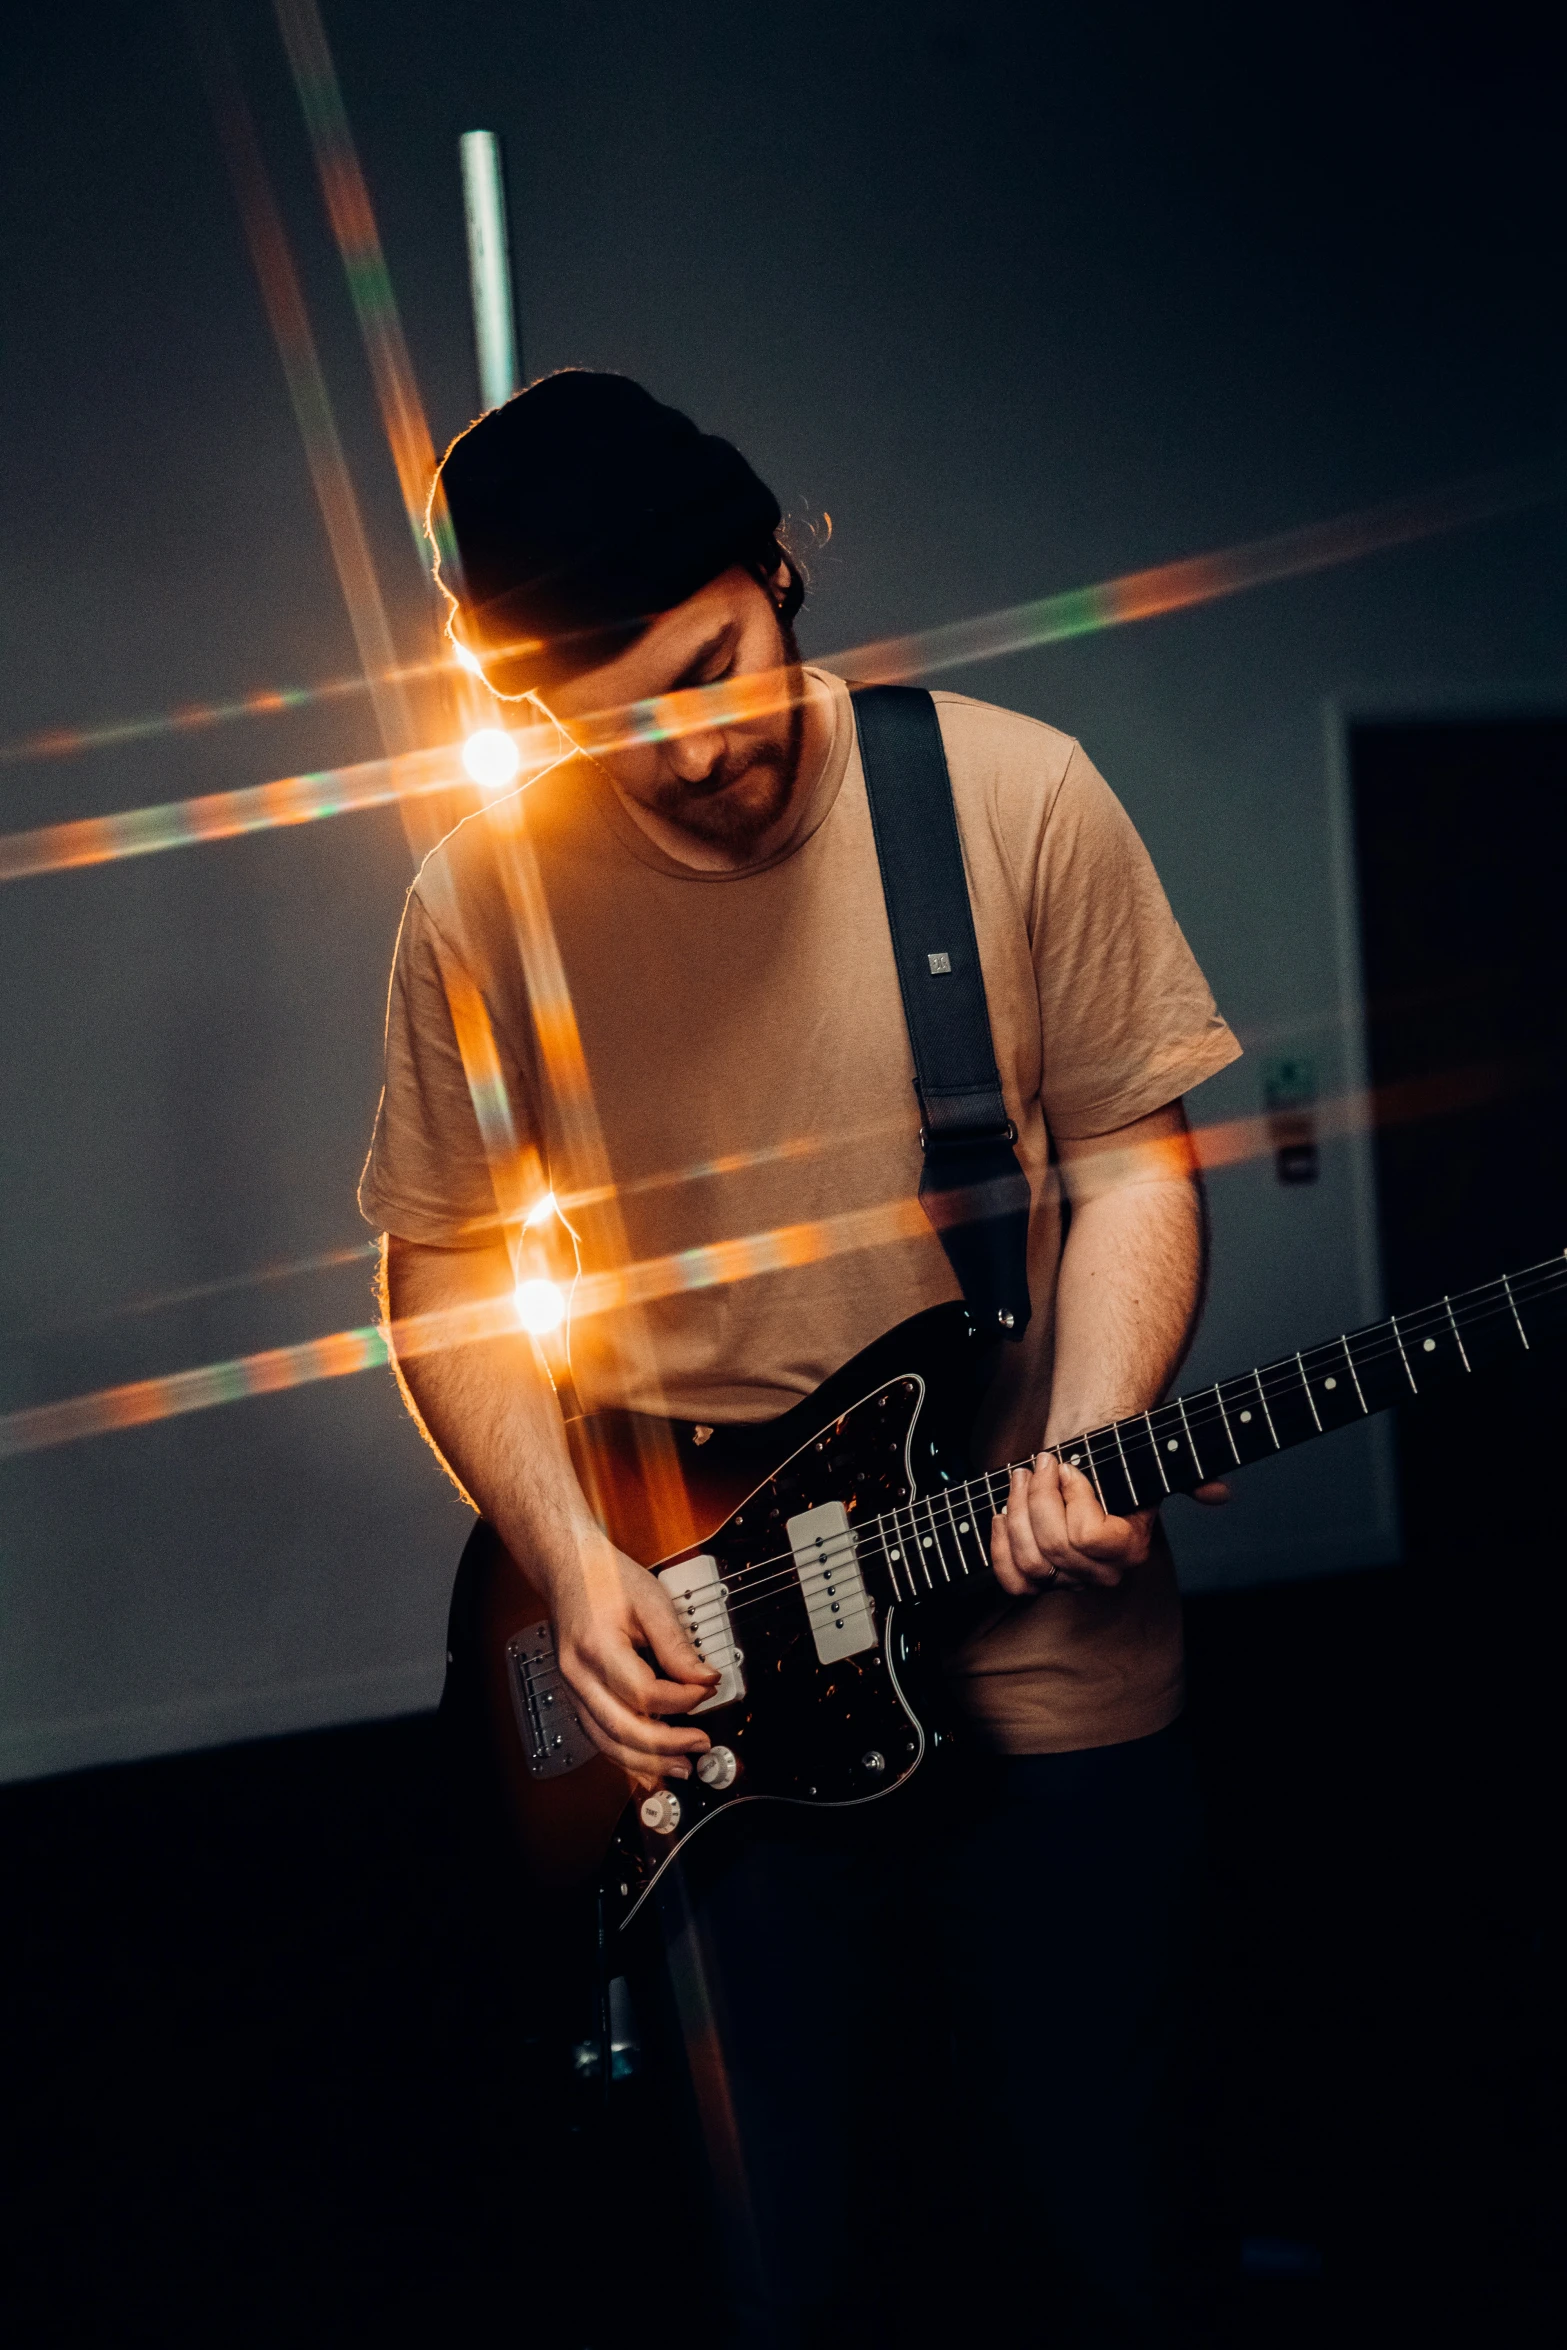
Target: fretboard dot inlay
{"type": "Point", "coordinates": [1173, 1445]}
{"type": "Point", "coordinates": [1330, 1383]}
{"type": "Point", "coordinates": [1429, 1345]}
{"type": "Point", "coordinates": [963, 1525]}
{"type": "Point", "coordinates": [928, 1540]}
{"type": "Point", "coordinates": [1076, 1457]}
{"type": "Point", "coordinates": [1245, 1416]}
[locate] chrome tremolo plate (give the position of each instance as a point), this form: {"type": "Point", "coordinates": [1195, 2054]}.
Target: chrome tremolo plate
{"type": "Point", "coordinates": [553, 1739]}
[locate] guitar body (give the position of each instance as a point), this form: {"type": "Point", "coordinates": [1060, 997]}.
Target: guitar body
{"type": "Point", "coordinates": [826, 1698]}
{"type": "Point", "coordinates": [812, 1548]}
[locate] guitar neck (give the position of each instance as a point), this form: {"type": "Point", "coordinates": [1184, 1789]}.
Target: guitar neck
{"type": "Point", "coordinates": [1196, 1439]}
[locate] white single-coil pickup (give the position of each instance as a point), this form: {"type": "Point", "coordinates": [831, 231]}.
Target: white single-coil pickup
{"type": "Point", "coordinates": [701, 1598]}
{"type": "Point", "coordinates": [553, 1739]}
{"type": "Point", "coordinates": [836, 1599]}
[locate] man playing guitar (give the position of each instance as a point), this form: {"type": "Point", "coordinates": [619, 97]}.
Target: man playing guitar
{"type": "Point", "coordinates": [709, 893]}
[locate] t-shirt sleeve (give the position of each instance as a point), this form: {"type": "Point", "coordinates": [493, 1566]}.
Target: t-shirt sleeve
{"type": "Point", "coordinates": [427, 1177]}
{"type": "Point", "coordinates": [1128, 1020]}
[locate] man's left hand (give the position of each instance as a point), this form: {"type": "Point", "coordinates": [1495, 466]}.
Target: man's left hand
{"type": "Point", "coordinates": [1055, 1532]}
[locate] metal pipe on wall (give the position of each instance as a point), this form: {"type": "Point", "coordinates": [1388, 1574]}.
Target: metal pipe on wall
{"type": "Point", "coordinates": [489, 268]}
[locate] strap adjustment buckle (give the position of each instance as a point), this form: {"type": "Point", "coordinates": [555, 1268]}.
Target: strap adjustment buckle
{"type": "Point", "coordinates": [969, 1137]}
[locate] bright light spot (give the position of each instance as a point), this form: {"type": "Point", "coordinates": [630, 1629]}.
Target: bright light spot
{"type": "Point", "coordinates": [541, 1210]}
{"type": "Point", "coordinates": [491, 758]}
{"type": "Point", "coordinates": [467, 660]}
{"type": "Point", "coordinates": [541, 1306]}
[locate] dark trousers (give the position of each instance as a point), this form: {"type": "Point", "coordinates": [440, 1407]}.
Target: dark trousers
{"type": "Point", "coordinates": [918, 2051]}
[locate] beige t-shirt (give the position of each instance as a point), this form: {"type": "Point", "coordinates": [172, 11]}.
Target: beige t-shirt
{"type": "Point", "coordinates": [743, 1037]}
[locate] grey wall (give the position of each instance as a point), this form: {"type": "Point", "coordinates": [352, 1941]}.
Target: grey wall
{"type": "Point", "coordinates": [1022, 305]}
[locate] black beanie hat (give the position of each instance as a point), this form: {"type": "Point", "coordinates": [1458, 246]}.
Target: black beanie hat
{"type": "Point", "coordinates": [579, 509]}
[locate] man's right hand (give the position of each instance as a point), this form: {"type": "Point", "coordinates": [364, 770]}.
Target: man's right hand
{"type": "Point", "coordinates": [604, 1614]}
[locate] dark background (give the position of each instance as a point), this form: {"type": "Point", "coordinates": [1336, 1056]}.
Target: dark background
{"type": "Point", "coordinates": [1022, 300]}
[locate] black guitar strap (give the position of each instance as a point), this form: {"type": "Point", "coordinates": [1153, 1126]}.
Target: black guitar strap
{"type": "Point", "coordinates": [971, 1186]}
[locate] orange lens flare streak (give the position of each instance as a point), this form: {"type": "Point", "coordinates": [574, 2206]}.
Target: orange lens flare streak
{"type": "Point", "coordinates": [1138, 596]}
{"type": "Point", "coordinates": [358, 241]}
{"type": "Point", "coordinates": [62, 742]}
{"type": "Point", "coordinates": [285, 307]}
{"type": "Point", "coordinates": [1226, 1144]}
{"type": "Point", "coordinates": [262, 807]}
{"type": "Point", "coordinates": [226, 815]}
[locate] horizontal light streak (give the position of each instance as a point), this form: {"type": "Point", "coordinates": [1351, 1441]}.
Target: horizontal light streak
{"type": "Point", "coordinates": [1203, 579]}
{"type": "Point", "coordinates": [1141, 595]}
{"type": "Point", "coordinates": [143, 1401]}
{"type": "Point", "coordinates": [262, 807]}
{"type": "Point", "coordinates": [1225, 1144]}
{"type": "Point", "coordinates": [224, 815]}
{"type": "Point", "coordinates": [169, 1300]}
{"type": "Point", "coordinates": [61, 742]}
{"type": "Point", "coordinates": [273, 701]}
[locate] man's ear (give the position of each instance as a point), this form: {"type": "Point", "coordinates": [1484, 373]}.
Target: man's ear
{"type": "Point", "coordinates": [778, 583]}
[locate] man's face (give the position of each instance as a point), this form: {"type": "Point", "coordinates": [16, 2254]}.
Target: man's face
{"type": "Point", "coordinates": [727, 767]}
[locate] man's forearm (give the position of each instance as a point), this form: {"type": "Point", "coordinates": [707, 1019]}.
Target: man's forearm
{"type": "Point", "coordinates": [1127, 1296]}
{"type": "Point", "coordinates": [487, 1405]}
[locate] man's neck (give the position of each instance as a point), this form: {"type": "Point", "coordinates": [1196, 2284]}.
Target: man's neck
{"type": "Point", "coordinates": [706, 856]}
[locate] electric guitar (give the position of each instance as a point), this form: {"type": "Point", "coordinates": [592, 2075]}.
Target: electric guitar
{"type": "Point", "coordinates": [830, 1542]}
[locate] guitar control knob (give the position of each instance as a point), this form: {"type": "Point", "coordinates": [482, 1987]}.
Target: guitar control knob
{"type": "Point", "coordinates": [661, 1812]}
{"type": "Point", "coordinates": [718, 1767]}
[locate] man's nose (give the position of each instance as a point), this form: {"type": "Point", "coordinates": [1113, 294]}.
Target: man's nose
{"type": "Point", "coordinates": [692, 757]}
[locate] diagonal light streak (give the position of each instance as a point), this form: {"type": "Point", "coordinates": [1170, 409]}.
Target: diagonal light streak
{"type": "Point", "coordinates": [1139, 595]}
{"type": "Point", "coordinates": [369, 282]}
{"type": "Point", "coordinates": [286, 314]}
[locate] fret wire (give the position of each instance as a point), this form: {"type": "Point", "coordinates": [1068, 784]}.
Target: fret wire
{"type": "Point", "coordinates": [1126, 1466]}
{"type": "Point", "coordinates": [1190, 1440]}
{"type": "Point", "coordinates": [917, 1546]}
{"type": "Point", "coordinates": [950, 1498]}
{"type": "Point", "coordinates": [1310, 1398]}
{"type": "Point", "coordinates": [910, 1558]}
{"type": "Point", "coordinates": [1457, 1341]}
{"type": "Point", "coordinates": [975, 1534]}
{"type": "Point", "coordinates": [1486, 1301]}
{"type": "Point", "coordinates": [1522, 1332]}
{"type": "Point", "coordinates": [935, 1531]}
{"type": "Point", "coordinates": [1225, 1417]}
{"type": "Point", "coordinates": [921, 1560]}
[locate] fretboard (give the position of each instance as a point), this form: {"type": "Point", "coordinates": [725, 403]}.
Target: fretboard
{"type": "Point", "coordinates": [943, 1538]}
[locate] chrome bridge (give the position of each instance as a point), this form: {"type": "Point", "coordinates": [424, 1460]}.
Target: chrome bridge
{"type": "Point", "coordinates": [553, 1739]}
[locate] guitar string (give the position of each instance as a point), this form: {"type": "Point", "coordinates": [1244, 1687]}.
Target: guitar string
{"type": "Point", "coordinates": [874, 1538]}
{"type": "Point", "coordinates": [1209, 1416]}
{"type": "Point", "coordinates": [893, 1545]}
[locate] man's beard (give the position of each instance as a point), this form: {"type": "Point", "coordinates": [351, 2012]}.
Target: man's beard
{"type": "Point", "coordinates": [739, 803]}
